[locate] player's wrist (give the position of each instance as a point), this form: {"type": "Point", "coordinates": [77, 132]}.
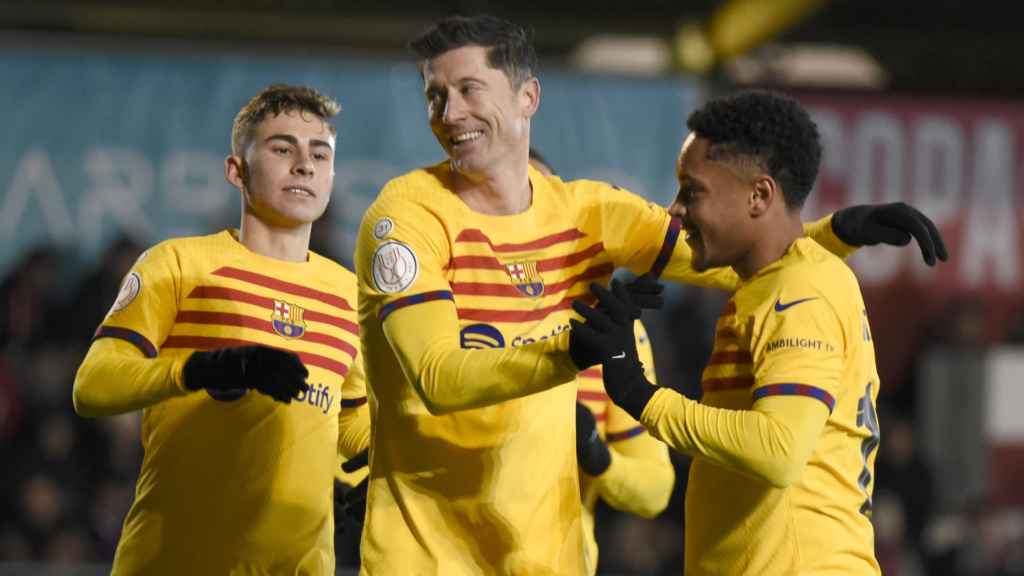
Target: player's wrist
{"type": "Point", "coordinates": [595, 458]}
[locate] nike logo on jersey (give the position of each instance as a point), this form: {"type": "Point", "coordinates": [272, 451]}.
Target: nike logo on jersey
{"type": "Point", "coordinates": [619, 356]}
{"type": "Point", "coordinates": [780, 307]}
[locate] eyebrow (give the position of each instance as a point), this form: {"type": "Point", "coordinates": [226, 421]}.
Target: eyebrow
{"type": "Point", "coordinates": [295, 141]}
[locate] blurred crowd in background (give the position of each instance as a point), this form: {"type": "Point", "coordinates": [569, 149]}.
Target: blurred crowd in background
{"type": "Point", "coordinates": [68, 482]}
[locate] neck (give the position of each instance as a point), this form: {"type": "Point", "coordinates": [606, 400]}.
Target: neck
{"type": "Point", "coordinates": [501, 192]}
{"type": "Point", "coordinates": [291, 244]}
{"type": "Point", "coordinates": [773, 240]}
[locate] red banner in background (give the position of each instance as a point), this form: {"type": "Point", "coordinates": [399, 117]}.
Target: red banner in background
{"type": "Point", "coordinates": [957, 161]}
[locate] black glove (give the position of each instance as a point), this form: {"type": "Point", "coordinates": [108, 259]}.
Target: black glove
{"type": "Point", "coordinates": [350, 502]}
{"type": "Point", "coordinates": [227, 373]}
{"type": "Point", "coordinates": [643, 292]}
{"type": "Point", "coordinates": [591, 452]}
{"type": "Point", "coordinates": [894, 224]}
{"type": "Point", "coordinates": [609, 332]}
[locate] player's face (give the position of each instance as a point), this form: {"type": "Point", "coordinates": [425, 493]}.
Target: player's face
{"type": "Point", "coordinates": [289, 169]}
{"type": "Point", "coordinates": [476, 114]}
{"type": "Point", "coordinates": [711, 205]}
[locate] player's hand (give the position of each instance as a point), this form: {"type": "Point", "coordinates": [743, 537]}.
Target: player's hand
{"type": "Point", "coordinates": [585, 348]}
{"type": "Point", "coordinates": [591, 452]}
{"type": "Point", "coordinates": [645, 292]}
{"type": "Point", "coordinates": [351, 501]}
{"type": "Point", "coordinates": [609, 329]}
{"type": "Point", "coordinates": [226, 373]}
{"type": "Point", "coordinates": [895, 223]}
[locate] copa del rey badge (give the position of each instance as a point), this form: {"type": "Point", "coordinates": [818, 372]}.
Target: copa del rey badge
{"type": "Point", "coordinates": [525, 278]}
{"type": "Point", "coordinates": [394, 266]}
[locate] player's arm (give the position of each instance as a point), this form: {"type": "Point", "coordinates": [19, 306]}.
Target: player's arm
{"type": "Point", "coordinates": [121, 371]}
{"type": "Point", "coordinates": [794, 390]}
{"type": "Point", "coordinates": [640, 478]}
{"type": "Point", "coordinates": [116, 377]}
{"type": "Point", "coordinates": [354, 416]}
{"type": "Point", "coordinates": [404, 293]}
{"type": "Point", "coordinates": [449, 378]}
{"type": "Point", "coordinates": [771, 441]}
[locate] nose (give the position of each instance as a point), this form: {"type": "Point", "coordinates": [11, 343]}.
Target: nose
{"type": "Point", "coordinates": [677, 209]}
{"type": "Point", "coordinates": [303, 164]}
{"type": "Point", "coordinates": [454, 109]}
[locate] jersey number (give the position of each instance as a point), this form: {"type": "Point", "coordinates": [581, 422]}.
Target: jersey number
{"type": "Point", "coordinates": [868, 418]}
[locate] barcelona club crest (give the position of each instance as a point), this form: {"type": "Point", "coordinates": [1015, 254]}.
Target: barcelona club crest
{"type": "Point", "coordinates": [287, 320]}
{"type": "Point", "coordinates": [525, 277]}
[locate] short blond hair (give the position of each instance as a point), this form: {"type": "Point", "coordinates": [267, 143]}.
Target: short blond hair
{"type": "Point", "coordinates": [274, 100]}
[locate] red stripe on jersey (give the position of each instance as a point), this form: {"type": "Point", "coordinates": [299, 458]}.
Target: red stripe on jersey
{"type": "Point", "coordinates": [594, 372]}
{"type": "Point", "coordinates": [730, 357]}
{"type": "Point", "coordinates": [572, 259]}
{"type": "Point", "coordinates": [482, 315]}
{"type": "Point", "coordinates": [601, 416]}
{"type": "Point", "coordinates": [496, 289]}
{"type": "Point", "coordinates": [477, 235]}
{"type": "Point", "coordinates": [211, 343]}
{"type": "Point", "coordinates": [591, 396]}
{"type": "Point", "coordinates": [228, 319]}
{"type": "Point", "coordinates": [546, 265]}
{"type": "Point", "coordinates": [220, 293]}
{"type": "Point", "coordinates": [732, 383]}
{"type": "Point", "coordinates": [281, 285]}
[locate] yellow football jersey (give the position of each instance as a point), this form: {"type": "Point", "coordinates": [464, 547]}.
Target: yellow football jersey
{"type": "Point", "coordinates": [796, 328]}
{"type": "Point", "coordinates": [492, 489]}
{"type": "Point", "coordinates": [237, 483]}
{"type": "Point", "coordinates": [640, 477]}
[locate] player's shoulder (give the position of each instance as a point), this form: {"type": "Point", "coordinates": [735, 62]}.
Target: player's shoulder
{"type": "Point", "coordinates": [422, 185]}
{"type": "Point", "coordinates": [810, 268]}
{"type": "Point", "coordinates": [183, 248]}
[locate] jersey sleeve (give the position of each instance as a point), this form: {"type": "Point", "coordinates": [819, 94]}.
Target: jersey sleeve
{"type": "Point", "coordinates": [821, 232]}
{"type": "Point", "coordinates": [801, 346]}
{"type": "Point", "coordinates": [121, 371]}
{"type": "Point", "coordinates": [147, 303]}
{"type": "Point", "coordinates": [640, 477]}
{"type": "Point", "coordinates": [401, 253]}
{"type": "Point", "coordinates": [641, 236]}
{"type": "Point", "coordinates": [354, 416]}
{"type": "Point", "coordinates": [115, 377]}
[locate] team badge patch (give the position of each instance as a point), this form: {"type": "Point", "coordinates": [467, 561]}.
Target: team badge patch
{"type": "Point", "coordinates": [525, 277]}
{"type": "Point", "coordinates": [382, 228]}
{"type": "Point", "coordinates": [130, 288]}
{"type": "Point", "coordinates": [394, 267]}
{"type": "Point", "coordinates": [287, 320]}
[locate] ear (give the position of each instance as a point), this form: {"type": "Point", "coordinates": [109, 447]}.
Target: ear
{"type": "Point", "coordinates": [763, 194]}
{"type": "Point", "coordinates": [234, 171]}
{"type": "Point", "coordinates": [529, 97]}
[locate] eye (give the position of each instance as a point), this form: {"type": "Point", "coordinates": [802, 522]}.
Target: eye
{"type": "Point", "coordinates": [282, 150]}
{"type": "Point", "coordinates": [321, 156]}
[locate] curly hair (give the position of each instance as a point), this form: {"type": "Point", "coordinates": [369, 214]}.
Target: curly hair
{"type": "Point", "coordinates": [273, 100]}
{"type": "Point", "coordinates": [766, 128]}
{"type": "Point", "coordinates": [508, 45]}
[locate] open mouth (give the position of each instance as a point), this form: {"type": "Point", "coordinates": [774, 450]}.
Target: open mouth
{"type": "Point", "coordinates": [465, 137]}
{"type": "Point", "coordinates": [300, 191]}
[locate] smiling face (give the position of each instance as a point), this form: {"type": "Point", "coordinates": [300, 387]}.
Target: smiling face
{"type": "Point", "coordinates": [287, 172]}
{"type": "Point", "coordinates": [477, 115]}
{"type": "Point", "coordinates": [713, 205]}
